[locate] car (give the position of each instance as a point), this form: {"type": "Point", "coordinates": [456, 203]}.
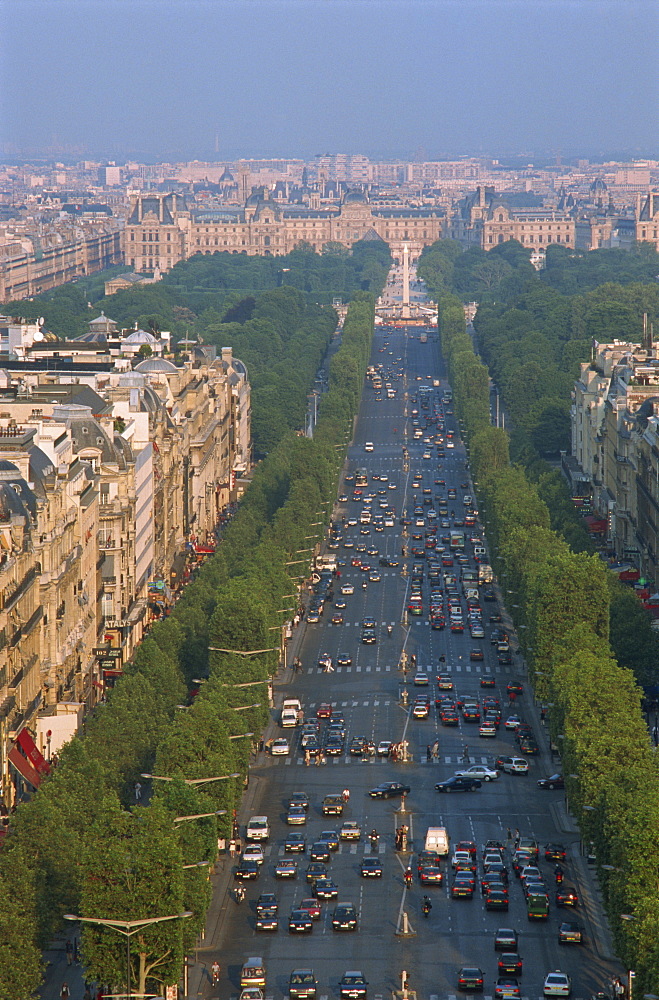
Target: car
{"type": "Point", "coordinates": [337, 618]}
{"type": "Point", "coordinates": [251, 993]}
{"type": "Point", "coordinates": [513, 722]}
{"type": "Point", "coordinates": [470, 978]}
{"type": "Point", "coordinates": [567, 895]}
{"type": "Point", "coordinates": [487, 728]}
{"type": "Point", "coordinates": [267, 919]}
{"type": "Point", "coordinates": [253, 852]}
{"type": "Point", "coordinates": [476, 654]}
{"type": "Point", "coordinates": [421, 679]}
{"type": "Point", "coordinates": [570, 933]}
{"type": "Point", "coordinates": [389, 789]}
{"type": "Point", "coordinates": [496, 899]}
{"type": "Point", "coordinates": [295, 843]}
{"type": "Point", "coordinates": [246, 871]}
{"type": "Point", "coordinates": [506, 987]}
{"type": "Point", "coordinates": [488, 681]}
{"type": "Point", "coordinates": [324, 711]}
{"type": "Point", "coordinates": [371, 867]}
{"type": "Point", "coordinates": [325, 888]}
{"type": "Point", "coordinates": [312, 906]}
{"type": "Point", "coordinates": [506, 939]}
{"type": "Point", "coordinates": [314, 870]}
{"type": "Point", "coordinates": [347, 589]}
{"type": "Point", "coordinates": [333, 805]}
{"type": "Point", "coordinates": [512, 765]}
{"type": "Point", "coordinates": [320, 851]}
{"type": "Point", "coordinates": [431, 875]}
{"type": "Point", "coordinates": [510, 963]}
{"type": "Point", "coordinates": [387, 561]}
{"type": "Point", "coordinates": [299, 798]}
{"type": "Point", "coordinates": [351, 830]}
{"type": "Point", "coordinates": [286, 869]}
{"type": "Point", "coordinates": [368, 637]}
{"type": "Point", "coordinates": [331, 838]}
{"type": "Point", "coordinates": [296, 816]}
{"type": "Point", "coordinates": [302, 985]}
{"type": "Point", "coordinates": [353, 986]}
{"type": "Point", "coordinates": [456, 784]}
{"type": "Point", "coordinates": [555, 852]}
{"type": "Point", "coordinates": [300, 922]}
{"type": "Point", "coordinates": [482, 771]}
{"type": "Point", "coordinates": [266, 901]}
{"type": "Point", "coordinates": [514, 687]}
{"type": "Point", "coordinates": [553, 781]}
{"type": "Point", "coordinates": [420, 709]}
{"type": "Point", "coordinates": [384, 748]}
{"type": "Point", "coordinates": [477, 632]}
{"type": "Point", "coordinates": [445, 682]}
{"type": "Point", "coordinates": [557, 984]}
{"type": "Point", "coordinates": [343, 660]}
{"type": "Point", "coordinates": [463, 886]}
{"type": "Point", "coordinates": [529, 746]}
{"type": "Point", "coordinates": [280, 747]}
{"type": "Point", "coordinates": [344, 917]}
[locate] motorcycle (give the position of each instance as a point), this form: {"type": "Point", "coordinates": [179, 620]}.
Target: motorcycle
{"type": "Point", "coordinates": [426, 906]}
{"type": "Point", "coordinates": [408, 878]}
{"type": "Point", "coordinates": [390, 629]}
{"type": "Point", "coordinates": [239, 894]}
{"type": "Point", "coordinates": [559, 874]}
{"type": "Point", "coordinates": [374, 838]}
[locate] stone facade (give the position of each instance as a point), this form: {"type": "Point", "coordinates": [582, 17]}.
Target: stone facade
{"type": "Point", "coordinates": [160, 231]}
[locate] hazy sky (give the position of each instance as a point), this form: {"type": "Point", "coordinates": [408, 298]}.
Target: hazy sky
{"type": "Point", "coordinates": [160, 79]}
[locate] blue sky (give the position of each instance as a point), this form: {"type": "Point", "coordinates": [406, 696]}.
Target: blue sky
{"type": "Point", "coordinates": [160, 79]}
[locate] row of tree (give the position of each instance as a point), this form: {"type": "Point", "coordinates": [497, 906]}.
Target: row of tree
{"type": "Point", "coordinates": [83, 845]}
{"type": "Point", "coordinates": [561, 604]}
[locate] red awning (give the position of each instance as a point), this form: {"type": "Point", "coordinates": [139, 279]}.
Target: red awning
{"type": "Point", "coordinates": [32, 751]}
{"type": "Point", "coordinates": [205, 549]}
{"type": "Point", "coordinates": [629, 575]}
{"type": "Point", "coordinates": [596, 525]}
{"type": "Point", "coordinates": [24, 767]}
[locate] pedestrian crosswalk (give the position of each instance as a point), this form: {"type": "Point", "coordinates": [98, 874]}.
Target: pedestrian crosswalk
{"type": "Point", "coordinates": [453, 668]}
{"type": "Point", "coordinates": [450, 760]}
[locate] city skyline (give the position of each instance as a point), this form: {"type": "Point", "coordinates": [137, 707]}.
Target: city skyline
{"type": "Point", "coordinates": [425, 79]}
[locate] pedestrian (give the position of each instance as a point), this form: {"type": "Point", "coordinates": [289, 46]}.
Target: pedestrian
{"type": "Point", "coordinates": [512, 697]}
{"type": "Point", "coordinates": [307, 758]}
{"type": "Point", "coordinates": [435, 749]}
{"type": "Point", "coordinates": [509, 836]}
{"type": "Point", "coordinates": [69, 952]}
{"type": "Point", "coordinates": [261, 745]}
{"type": "Point", "coordinates": [138, 791]}
{"type": "Point", "coordinates": [428, 753]}
{"type": "Point", "coordinates": [543, 714]}
{"type": "Point", "coordinates": [517, 839]}
{"type": "Point", "coordinates": [465, 753]}
{"type": "Point", "coordinates": [346, 795]}
{"type": "Point", "coordinates": [65, 993]}
{"type": "Point", "coordinates": [232, 848]}
{"type": "Point", "coordinates": [76, 956]}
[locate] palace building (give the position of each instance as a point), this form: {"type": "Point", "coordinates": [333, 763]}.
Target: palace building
{"type": "Point", "coordinates": [161, 230]}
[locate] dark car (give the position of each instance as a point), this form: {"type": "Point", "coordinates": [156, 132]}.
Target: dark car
{"type": "Point", "coordinates": [299, 799]}
{"type": "Point", "coordinates": [300, 922]}
{"type": "Point", "coordinates": [344, 917]}
{"type": "Point", "coordinates": [463, 887]}
{"type": "Point", "coordinates": [505, 939]}
{"type": "Point", "coordinates": [267, 919]}
{"type": "Point", "coordinates": [314, 870]}
{"type": "Point", "coordinates": [389, 789]}
{"type": "Point", "coordinates": [506, 988]}
{"type": "Point", "coordinates": [353, 986]}
{"type": "Point", "coordinates": [514, 687]}
{"type": "Point", "coordinates": [570, 933]}
{"type": "Point", "coordinates": [320, 851]}
{"type": "Point", "coordinates": [295, 843]}
{"type": "Point", "coordinates": [387, 561]}
{"type": "Point", "coordinates": [312, 906]}
{"type": "Point", "coordinates": [266, 901]}
{"type": "Point", "coordinates": [246, 871]}
{"type": "Point", "coordinates": [371, 867]}
{"type": "Point", "coordinates": [510, 963]}
{"type": "Point", "coordinates": [456, 784]}
{"type": "Point", "coordinates": [286, 869]}
{"type": "Point", "coordinates": [470, 978]}
{"type": "Point", "coordinates": [566, 895]}
{"type": "Point", "coordinates": [430, 875]}
{"type": "Point", "coordinates": [496, 900]}
{"type": "Point", "coordinates": [553, 781]}
{"type": "Point", "coordinates": [554, 852]}
{"type": "Point", "coordinates": [325, 888]}
{"type": "Point", "coordinates": [369, 636]}
{"type": "Point", "coordinates": [302, 985]}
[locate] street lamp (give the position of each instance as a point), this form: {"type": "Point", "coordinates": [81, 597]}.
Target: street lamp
{"type": "Point", "coordinates": [191, 781]}
{"type": "Point", "coordinates": [244, 652]}
{"type": "Point", "coordinates": [127, 928]}
{"type": "Point", "coordinates": [240, 736]}
{"type": "Point", "coordinates": [184, 819]}
{"type": "Point", "coordinates": [198, 864]}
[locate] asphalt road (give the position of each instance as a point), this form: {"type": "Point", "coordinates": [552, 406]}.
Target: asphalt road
{"type": "Point", "coordinates": [368, 692]}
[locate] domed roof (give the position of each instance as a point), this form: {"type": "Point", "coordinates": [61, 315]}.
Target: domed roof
{"type": "Point", "coordinates": [355, 197]}
{"type": "Point", "coordinates": [156, 366]}
{"type": "Point", "coordinates": [140, 337]}
{"type": "Point", "coordinates": [598, 185]}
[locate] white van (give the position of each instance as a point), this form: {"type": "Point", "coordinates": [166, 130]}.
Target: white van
{"type": "Point", "coordinates": [368, 446]}
{"type": "Point", "coordinates": [258, 828]}
{"type": "Point", "coordinates": [437, 839]}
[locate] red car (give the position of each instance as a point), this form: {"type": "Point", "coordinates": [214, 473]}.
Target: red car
{"type": "Point", "coordinates": [324, 711]}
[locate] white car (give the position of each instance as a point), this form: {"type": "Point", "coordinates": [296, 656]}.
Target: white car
{"type": "Point", "coordinates": [557, 984]}
{"type": "Point", "coordinates": [477, 632]}
{"type": "Point", "coordinates": [280, 747]}
{"type": "Point", "coordinates": [480, 771]}
{"type": "Point", "coordinates": [421, 679]}
{"type": "Point", "coordinates": [253, 852]}
{"type": "Point", "coordinates": [347, 588]}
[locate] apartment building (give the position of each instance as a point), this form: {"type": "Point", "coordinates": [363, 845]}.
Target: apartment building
{"type": "Point", "coordinates": [111, 479]}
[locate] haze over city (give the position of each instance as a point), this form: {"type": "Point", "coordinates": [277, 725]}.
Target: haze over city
{"type": "Point", "coordinates": [416, 79]}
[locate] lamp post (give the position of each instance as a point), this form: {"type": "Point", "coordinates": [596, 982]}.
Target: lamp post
{"type": "Point", "coordinates": [127, 928]}
{"type": "Point", "coordinates": [185, 819]}
{"type": "Point", "coordinates": [191, 781]}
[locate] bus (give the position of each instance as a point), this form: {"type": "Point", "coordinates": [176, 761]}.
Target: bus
{"type": "Point", "coordinates": [457, 540]}
{"type": "Point", "coordinates": [361, 478]}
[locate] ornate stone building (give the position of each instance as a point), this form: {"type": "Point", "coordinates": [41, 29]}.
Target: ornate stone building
{"type": "Point", "coordinates": [160, 231]}
{"type": "Point", "coordinates": [484, 219]}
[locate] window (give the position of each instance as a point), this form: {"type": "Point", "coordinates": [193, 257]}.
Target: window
{"type": "Point", "coordinates": [500, 217]}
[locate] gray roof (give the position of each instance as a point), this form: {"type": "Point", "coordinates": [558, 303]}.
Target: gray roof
{"type": "Point", "coordinates": [156, 366]}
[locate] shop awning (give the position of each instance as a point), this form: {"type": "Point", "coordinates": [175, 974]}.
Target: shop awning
{"type": "Point", "coordinates": [25, 741]}
{"type": "Point", "coordinates": [24, 767]}
{"type": "Point", "coordinates": [596, 525]}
